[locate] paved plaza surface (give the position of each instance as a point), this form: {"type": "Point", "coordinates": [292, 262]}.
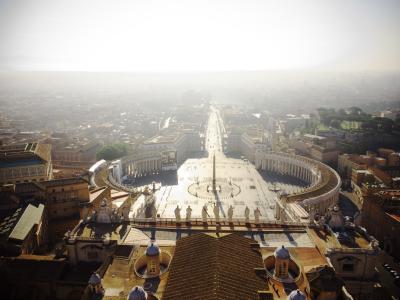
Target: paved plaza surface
{"type": "Point", "coordinates": [238, 182]}
{"type": "Point", "coordinates": [266, 238]}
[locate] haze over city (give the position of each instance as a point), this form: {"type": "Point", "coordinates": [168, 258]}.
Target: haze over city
{"type": "Point", "coordinates": [219, 150]}
{"type": "Point", "coordinates": [162, 36]}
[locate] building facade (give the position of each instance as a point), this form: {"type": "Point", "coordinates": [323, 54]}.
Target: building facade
{"type": "Point", "coordinates": [25, 163]}
{"type": "Point", "coordinates": [383, 208]}
{"type": "Point", "coordinates": [162, 153]}
{"type": "Point", "coordinates": [66, 197]}
{"type": "Point", "coordinates": [246, 143]}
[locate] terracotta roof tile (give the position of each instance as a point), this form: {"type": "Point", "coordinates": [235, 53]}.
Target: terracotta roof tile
{"type": "Point", "coordinates": [206, 267]}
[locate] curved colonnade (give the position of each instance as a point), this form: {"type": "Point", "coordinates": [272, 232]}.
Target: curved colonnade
{"type": "Point", "coordinates": [138, 164]}
{"type": "Point", "coordinates": [324, 182]}
{"type": "Point", "coordinates": [141, 163]}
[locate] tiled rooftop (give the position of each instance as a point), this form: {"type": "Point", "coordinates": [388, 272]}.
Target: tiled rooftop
{"type": "Point", "coordinates": [206, 267]}
{"type": "Point", "coordinates": [95, 193]}
{"type": "Point", "coordinates": [115, 232]}
{"type": "Point", "coordinates": [31, 216]}
{"type": "Point", "coordinates": [348, 239]}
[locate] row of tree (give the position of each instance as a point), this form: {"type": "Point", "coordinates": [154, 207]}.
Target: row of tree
{"type": "Point", "coordinates": [114, 151]}
{"type": "Point", "coordinates": [332, 118]}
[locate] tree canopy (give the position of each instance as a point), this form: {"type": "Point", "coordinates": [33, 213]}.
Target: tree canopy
{"type": "Point", "coordinates": [114, 151]}
{"type": "Point", "coordinates": [330, 117]}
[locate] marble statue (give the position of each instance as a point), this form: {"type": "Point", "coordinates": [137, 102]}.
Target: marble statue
{"type": "Point", "coordinates": [125, 212]}
{"type": "Point", "coordinates": [188, 213]}
{"type": "Point", "coordinates": [154, 212]}
{"type": "Point", "coordinates": [204, 213]}
{"type": "Point", "coordinates": [247, 214]}
{"type": "Point", "coordinates": [177, 213]}
{"type": "Point", "coordinates": [230, 213]}
{"type": "Point", "coordinates": [216, 212]}
{"type": "Point", "coordinates": [257, 215]}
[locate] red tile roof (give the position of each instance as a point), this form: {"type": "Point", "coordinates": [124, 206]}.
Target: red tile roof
{"type": "Point", "coordinates": [206, 267]}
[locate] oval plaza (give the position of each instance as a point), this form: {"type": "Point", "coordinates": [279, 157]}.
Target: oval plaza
{"type": "Point", "coordinates": [219, 186]}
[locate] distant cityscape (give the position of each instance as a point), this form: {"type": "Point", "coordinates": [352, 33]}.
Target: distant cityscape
{"type": "Point", "coordinates": [197, 198]}
{"type": "Point", "coordinates": [199, 150]}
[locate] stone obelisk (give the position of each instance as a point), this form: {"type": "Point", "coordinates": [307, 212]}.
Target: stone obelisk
{"type": "Point", "coordinates": [214, 185]}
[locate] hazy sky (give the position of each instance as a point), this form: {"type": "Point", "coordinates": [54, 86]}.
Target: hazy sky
{"type": "Point", "coordinates": [173, 35]}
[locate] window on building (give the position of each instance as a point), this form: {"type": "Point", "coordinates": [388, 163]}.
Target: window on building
{"type": "Point", "coordinates": [153, 267]}
{"type": "Point", "coordinates": [282, 269]}
{"type": "Point", "coordinates": [92, 255]}
{"type": "Point", "coordinates": [348, 267]}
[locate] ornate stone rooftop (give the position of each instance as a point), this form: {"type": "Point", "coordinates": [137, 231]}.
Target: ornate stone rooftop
{"type": "Point", "coordinates": [348, 239]}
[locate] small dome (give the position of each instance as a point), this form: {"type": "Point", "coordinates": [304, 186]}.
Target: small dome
{"type": "Point", "coordinates": [152, 250]}
{"type": "Point", "coordinates": [296, 295]}
{"type": "Point", "coordinates": [94, 279]}
{"type": "Point", "coordinates": [282, 253]}
{"type": "Point", "coordinates": [137, 293]}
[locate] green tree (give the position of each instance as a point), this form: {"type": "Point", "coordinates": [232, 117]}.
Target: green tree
{"type": "Point", "coordinates": [385, 124]}
{"type": "Point", "coordinates": [356, 111]}
{"type": "Point", "coordinates": [113, 151]}
{"type": "Point", "coordinates": [342, 113]}
{"type": "Point", "coordinates": [335, 123]}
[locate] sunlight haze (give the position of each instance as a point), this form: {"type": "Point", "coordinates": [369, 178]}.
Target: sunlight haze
{"type": "Point", "coordinates": [175, 35]}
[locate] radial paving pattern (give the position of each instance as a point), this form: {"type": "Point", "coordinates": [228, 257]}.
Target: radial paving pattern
{"type": "Point", "coordinates": [238, 184]}
{"type": "Point", "coordinates": [225, 189]}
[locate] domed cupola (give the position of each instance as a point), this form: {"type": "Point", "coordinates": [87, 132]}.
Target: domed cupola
{"type": "Point", "coordinates": [95, 285]}
{"type": "Point", "coordinates": [282, 258]}
{"type": "Point", "coordinates": [282, 253]}
{"type": "Point", "coordinates": [95, 279]}
{"type": "Point", "coordinates": [153, 250]}
{"type": "Point", "coordinates": [137, 293]}
{"type": "Point", "coordinates": [153, 260]}
{"type": "Point", "coordinates": [296, 295]}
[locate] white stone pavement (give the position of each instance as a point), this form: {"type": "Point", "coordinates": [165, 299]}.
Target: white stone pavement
{"type": "Point", "coordinates": [254, 190]}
